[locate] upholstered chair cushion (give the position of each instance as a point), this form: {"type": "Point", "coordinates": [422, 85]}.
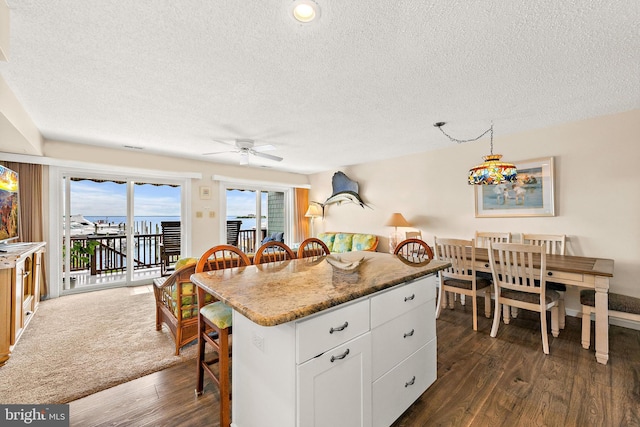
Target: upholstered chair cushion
{"type": "Point", "coordinates": [189, 299]}
{"type": "Point", "coordinates": [342, 243]}
{"type": "Point", "coordinates": [328, 239]}
{"type": "Point", "coordinates": [549, 295]}
{"type": "Point", "coordinates": [218, 313]}
{"type": "Point", "coordinates": [363, 242]}
{"type": "Point", "coordinates": [466, 284]}
{"type": "Point", "coordinates": [617, 302]}
{"type": "Point", "coordinates": [183, 262]}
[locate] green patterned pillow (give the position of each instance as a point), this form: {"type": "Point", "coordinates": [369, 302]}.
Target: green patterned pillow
{"type": "Point", "coordinates": [363, 242]}
{"type": "Point", "coordinates": [342, 242]}
{"type": "Point", "coordinates": [219, 314]}
{"type": "Point", "coordinates": [183, 262]}
{"type": "Point", "coordinates": [328, 239]}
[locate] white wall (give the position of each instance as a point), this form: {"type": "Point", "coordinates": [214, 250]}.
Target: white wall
{"type": "Point", "coordinates": [597, 202]}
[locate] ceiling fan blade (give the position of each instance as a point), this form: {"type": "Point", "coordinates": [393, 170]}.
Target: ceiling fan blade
{"type": "Point", "coordinates": [266, 156]}
{"type": "Point", "coordinates": [218, 152]}
{"type": "Point", "coordinates": [266, 147]}
{"type": "Point", "coordinates": [222, 141]}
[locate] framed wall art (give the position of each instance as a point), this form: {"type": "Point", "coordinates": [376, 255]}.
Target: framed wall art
{"type": "Point", "coordinates": [531, 195]}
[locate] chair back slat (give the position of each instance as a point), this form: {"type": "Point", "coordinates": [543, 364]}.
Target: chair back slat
{"type": "Point", "coordinates": [272, 252]}
{"type": "Point", "coordinates": [233, 231]}
{"type": "Point", "coordinates": [312, 247]}
{"type": "Point", "coordinates": [514, 267]}
{"type": "Point", "coordinates": [414, 248]}
{"type": "Point", "coordinates": [483, 238]}
{"type": "Point", "coordinates": [553, 243]}
{"type": "Point", "coordinates": [220, 257]}
{"type": "Point", "coordinates": [455, 252]}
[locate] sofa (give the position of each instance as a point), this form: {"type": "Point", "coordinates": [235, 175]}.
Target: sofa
{"type": "Point", "coordinates": [339, 242]}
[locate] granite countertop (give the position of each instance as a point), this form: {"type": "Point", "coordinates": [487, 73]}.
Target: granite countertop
{"type": "Point", "coordinates": [276, 293]}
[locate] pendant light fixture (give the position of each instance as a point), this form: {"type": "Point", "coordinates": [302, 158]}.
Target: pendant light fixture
{"type": "Point", "coordinates": [492, 171]}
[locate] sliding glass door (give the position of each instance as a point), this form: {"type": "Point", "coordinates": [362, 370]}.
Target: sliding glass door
{"type": "Point", "coordinates": [260, 212]}
{"type": "Point", "coordinates": [110, 229]}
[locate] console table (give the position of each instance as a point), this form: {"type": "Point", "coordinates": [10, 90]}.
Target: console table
{"type": "Point", "coordinates": [20, 278]}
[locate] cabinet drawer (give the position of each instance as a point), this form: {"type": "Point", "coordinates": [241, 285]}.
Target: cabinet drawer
{"type": "Point", "coordinates": [395, 340]}
{"type": "Point", "coordinates": [328, 330]}
{"type": "Point", "coordinates": [394, 392]}
{"type": "Point", "coordinates": [397, 301]}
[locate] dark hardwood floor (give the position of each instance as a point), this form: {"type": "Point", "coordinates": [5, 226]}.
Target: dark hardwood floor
{"type": "Point", "coordinates": [482, 381]}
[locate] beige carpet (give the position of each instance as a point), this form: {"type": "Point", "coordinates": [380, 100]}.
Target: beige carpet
{"type": "Point", "coordinates": [79, 344]}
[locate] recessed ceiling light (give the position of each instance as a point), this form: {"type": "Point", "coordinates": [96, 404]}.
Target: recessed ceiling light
{"type": "Point", "coordinates": [305, 11]}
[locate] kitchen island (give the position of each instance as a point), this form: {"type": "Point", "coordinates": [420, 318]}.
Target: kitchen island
{"type": "Point", "coordinates": [346, 339]}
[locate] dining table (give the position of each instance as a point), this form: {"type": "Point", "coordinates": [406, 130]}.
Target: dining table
{"type": "Point", "coordinates": [581, 272]}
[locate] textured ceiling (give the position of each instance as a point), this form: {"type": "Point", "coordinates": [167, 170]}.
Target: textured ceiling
{"type": "Point", "coordinates": [365, 82]}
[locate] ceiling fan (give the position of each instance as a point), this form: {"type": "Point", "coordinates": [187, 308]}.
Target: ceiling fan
{"type": "Point", "coordinates": [247, 147]}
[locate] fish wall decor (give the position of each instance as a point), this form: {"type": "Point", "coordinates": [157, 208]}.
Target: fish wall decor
{"type": "Point", "coordinates": [344, 190]}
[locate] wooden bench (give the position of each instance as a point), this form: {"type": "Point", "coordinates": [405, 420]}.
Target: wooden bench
{"type": "Point", "coordinates": [620, 307]}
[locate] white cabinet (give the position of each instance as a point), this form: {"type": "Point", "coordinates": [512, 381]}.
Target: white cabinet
{"type": "Point", "coordinates": [358, 364]}
{"type": "Point", "coordinates": [403, 347]}
{"type": "Point", "coordinates": [334, 389]}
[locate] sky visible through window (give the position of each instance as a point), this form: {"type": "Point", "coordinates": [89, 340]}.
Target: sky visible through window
{"type": "Point", "coordinates": [91, 198]}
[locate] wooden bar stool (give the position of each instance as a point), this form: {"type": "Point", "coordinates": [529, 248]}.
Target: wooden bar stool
{"type": "Point", "coordinates": [214, 327]}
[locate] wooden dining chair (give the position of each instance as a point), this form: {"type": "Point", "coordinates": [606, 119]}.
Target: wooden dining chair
{"type": "Point", "coordinates": [413, 235]}
{"type": "Point", "coordinates": [312, 247]}
{"type": "Point", "coordinates": [519, 283]}
{"type": "Point", "coordinates": [273, 251]}
{"type": "Point", "coordinates": [216, 317]}
{"type": "Point", "coordinates": [483, 238]}
{"type": "Point", "coordinates": [553, 244]}
{"type": "Point", "coordinates": [461, 277]}
{"type": "Point", "coordinates": [414, 248]}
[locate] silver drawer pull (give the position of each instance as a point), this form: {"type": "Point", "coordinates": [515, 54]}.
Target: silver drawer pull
{"type": "Point", "coordinates": [409, 334]}
{"type": "Point", "coordinates": [339, 328]}
{"type": "Point", "coordinates": [341, 356]}
{"type": "Point", "coordinates": [412, 382]}
{"type": "Point", "coordinates": [409, 298]}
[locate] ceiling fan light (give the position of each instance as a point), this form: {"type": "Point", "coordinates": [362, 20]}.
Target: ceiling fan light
{"type": "Point", "coordinates": [305, 11]}
{"type": "Point", "coordinates": [244, 158]}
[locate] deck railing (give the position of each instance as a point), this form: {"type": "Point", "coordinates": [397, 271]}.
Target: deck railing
{"type": "Point", "coordinates": [247, 240]}
{"type": "Point", "coordinates": [108, 253]}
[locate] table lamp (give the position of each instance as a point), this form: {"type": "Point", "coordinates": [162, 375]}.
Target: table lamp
{"type": "Point", "coordinates": [313, 212]}
{"type": "Point", "coordinates": [396, 220]}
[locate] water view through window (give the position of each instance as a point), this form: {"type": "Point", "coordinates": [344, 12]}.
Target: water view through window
{"type": "Point", "coordinates": [110, 238]}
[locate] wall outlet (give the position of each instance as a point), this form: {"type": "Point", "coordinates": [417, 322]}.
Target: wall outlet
{"type": "Point", "coordinates": [212, 214]}
{"type": "Point", "coordinates": [258, 341]}
{"type": "Point", "coordinates": [198, 214]}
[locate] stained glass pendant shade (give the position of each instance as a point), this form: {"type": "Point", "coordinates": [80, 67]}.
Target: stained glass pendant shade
{"type": "Point", "coordinates": [492, 171]}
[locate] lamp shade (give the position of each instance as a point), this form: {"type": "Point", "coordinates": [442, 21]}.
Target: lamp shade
{"type": "Point", "coordinates": [397, 220]}
{"type": "Point", "coordinates": [314, 211]}
{"type": "Point", "coordinates": [493, 171]}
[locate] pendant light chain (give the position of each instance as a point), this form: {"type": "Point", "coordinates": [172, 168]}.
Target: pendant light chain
{"type": "Point", "coordinates": [462, 141]}
{"type": "Point", "coordinates": [492, 171]}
